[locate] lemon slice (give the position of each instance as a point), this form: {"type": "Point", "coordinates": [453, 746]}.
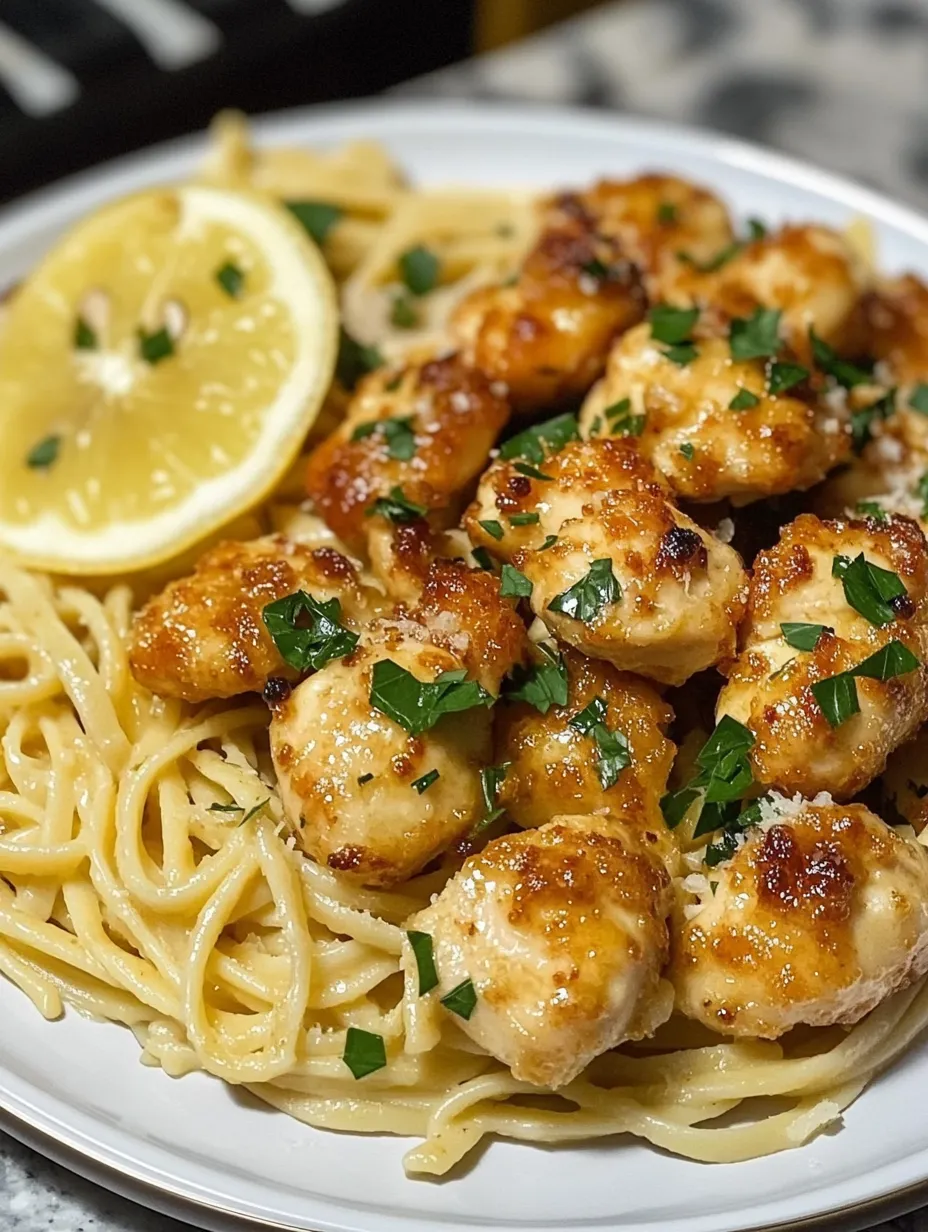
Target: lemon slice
{"type": "Point", "coordinates": [159, 371]}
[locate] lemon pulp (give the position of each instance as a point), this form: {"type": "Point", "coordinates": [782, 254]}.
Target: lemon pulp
{"type": "Point", "coordinates": [158, 373]}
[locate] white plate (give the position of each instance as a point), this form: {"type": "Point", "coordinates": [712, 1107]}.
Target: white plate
{"type": "Point", "coordinates": [197, 1149]}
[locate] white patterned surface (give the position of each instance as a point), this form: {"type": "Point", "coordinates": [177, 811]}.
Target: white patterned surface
{"type": "Point", "coordinates": [838, 82]}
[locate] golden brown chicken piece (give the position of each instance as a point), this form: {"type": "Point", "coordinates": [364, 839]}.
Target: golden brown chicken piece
{"type": "Point", "coordinates": [711, 426]}
{"type": "Point", "coordinates": [771, 687]}
{"type": "Point", "coordinates": [563, 933]}
{"type": "Point", "coordinates": [203, 636]}
{"type": "Point", "coordinates": [367, 795]}
{"type": "Point", "coordinates": [809, 273]}
{"type": "Point", "coordinates": [547, 334]}
{"type": "Point", "coordinates": [816, 919]}
{"type": "Point", "coordinates": [556, 762]}
{"type": "Point", "coordinates": [422, 434]}
{"type": "Point", "coordinates": [893, 464]}
{"type": "Point", "coordinates": [616, 571]}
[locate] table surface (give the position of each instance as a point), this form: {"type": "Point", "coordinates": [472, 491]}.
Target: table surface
{"type": "Point", "coordinates": [838, 82]}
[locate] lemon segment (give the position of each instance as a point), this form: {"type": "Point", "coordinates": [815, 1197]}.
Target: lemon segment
{"type": "Point", "coordinates": [159, 371]}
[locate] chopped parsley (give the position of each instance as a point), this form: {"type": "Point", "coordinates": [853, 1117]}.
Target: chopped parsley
{"type": "Point", "coordinates": [355, 359]}
{"type": "Point", "coordinates": [483, 558]}
{"type": "Point", "coordinates": [625, 424]}
{"type": "Point", "coordinates": [863, 419]}
{"type": "Point", "coordinates": [425, 781]}
{"type": "Point", "coordinates": [783, 376]}
{"type": "Point", "coordinates": [396, 508]}
{"type": "Point", "coordinates": [364, 1053]}
{"type": "Point", "coordinates": [542, 685]}
{"type": "Point", "coordinates": [828, 360]}
{"type": "Point", "coordinates": [307, 632]}
{"type": "Point", "coordinates": [420, 269]}
{"type": "Point", "coordinates": [688, 450]}
{"type": "Point", "coordinates": [461, 1000]}
{"type": "Point", "coordinates": [550, 541]}
{"type": "Point", "coordinates": [255, 810]}
{"type": "Point", "coordinates": [757, 230]}
{"type": "Point", "coordinates": [153, 348]}
{"type": "Point", "coordinates": [586, 598]}
{"type": "Point", "coordinates": [317, 218]}
{"type": "Point", "coordinates": [723, 778]}
{"type": "Point", "coordinates": [231, 278]}
{"type": "Point", "coordinates": [491, 779]}
{"type": "Point", "coordinates": [423, 953]}
{"type": "Point", "coordinates": [667, 213]}
{"type": "Point", "coordinates": [399, 437]}
{"type": "Point", "coordinates": [514, 585]}
{"type": "Point", "coordinates": [613, 754]}
{"type": "Point", "coordinates": [681, 353]}
{"type": "Point", "coordinates": [870, 509]}
{"type": "Point", "coordinates": [536, 443]}
{"type": "Point", "coordinates": [756, 336]}
{"type": "Point", "coordinates": [531, 472]}
{"type": "Point", "coordinates": [869, 589]}
{"type": "Point", "coordinates": [802, 636]}
{"type": "Point", "coordinates": [837, 696]}
{"type": "Point", "coordinates": [493, 528]}
{"type": "Point", "coordinates": [918, 399]}
{"type": "Point", "coordinates": [44, 454]}
{"type": "Point", "coordinates": [743, 400]}
{"type": "Point", "coordinates": [672, 325]}
{"type": "Point", "coordinates": [417, 705]}
{"type": "Point", "coordinates": [524, 519]}
{"type": "Point", "coordinates": [85, 338]}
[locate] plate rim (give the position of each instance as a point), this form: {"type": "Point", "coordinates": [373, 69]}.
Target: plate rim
{"type": "Point", "coordinates": [100, 1163]}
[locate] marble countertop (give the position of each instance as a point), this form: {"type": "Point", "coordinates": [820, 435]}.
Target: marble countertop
{"type": "Point", "coordinates": [838, 82]}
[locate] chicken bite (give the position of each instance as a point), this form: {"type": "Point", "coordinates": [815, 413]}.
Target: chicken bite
{"type": "Point", "coordinates": [809, 273]}
{"type": "Point", "coordinates": [374, 786]}
{"type": "Point", "coordinates": [548, 332]}
{"type": "Point", "coordinates": [855, 595]}
{"type": "Point", "coordinates": [414, 439]}
{"type": "Point", "coordinates": [563, 759]}
{"type": "Point", "coordinates": [711, 426]}
{"type": "Point", "coordinates": [816, 919]}
{"type": "Point", "coordinates": [203, 636]}
{"type": "Point", "coordinates": [615, 570]}
{"type": "Point", "coordinates": [562, 932]}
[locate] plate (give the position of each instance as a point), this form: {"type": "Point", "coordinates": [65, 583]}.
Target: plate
{"type": "Point", "coordinates": [204, 1152]}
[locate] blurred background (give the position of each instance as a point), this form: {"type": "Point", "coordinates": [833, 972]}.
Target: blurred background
{"type": "Point", "coordinates": [840, 82]}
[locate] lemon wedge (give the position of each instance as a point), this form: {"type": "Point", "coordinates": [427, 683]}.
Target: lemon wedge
{"type": "Point", "coordinates": [159, 371]}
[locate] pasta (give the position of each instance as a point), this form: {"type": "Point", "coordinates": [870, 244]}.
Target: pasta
{"type": "Point", "coordinates": [148, 874]}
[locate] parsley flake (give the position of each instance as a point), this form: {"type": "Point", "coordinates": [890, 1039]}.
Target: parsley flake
{"type": "Point", "coordinates": [868, 588]}
{"type": "Point", "coordinates": [536, 443]}
{"type": "Point", "coordinates": [85, 338]}
{"type": "Point", "coordinates": [461, 1000]}
{"type": "Point", "coordinates": [672, 325]}
{"type": "Point", "coordinates": [425, 781]}
{"type": "Point", "coordinates": [493, 528]}
{"type": "Point", "coordinates": [802, 636]}
{"type": "Point", "coordinates": [364, 1053]}
{"type": "Point", "coordinates": [524, 519]}
{"type": "Point", "coordinates": [399, 437]}
{"type": "Point", "coordinates": [743, 400]}
{"type": "Point", "coordinates": [396, 508]}
{"type": "Point", "coordinates": [491, 779]}
{"type": "Point", "coordinates": [863, 419]}
{"type": "Point", "coordinates": [918, 399]}
{"type": "Point", "coordinates": [419, 269]}
{"type": "Point", "coordinates": [307, 632]}
{"type": "Point", "coordinates": [423, 953]}
{"type": "Point", "coordinates": [417, 705]}
{"type": "Point", "coordinates": [586, 598]}
{"type": "Point", "coordinates": [683, 353]}
{"type": "Point", "coordinates": [756, 336]}
{"type": "Point", "coordinates": [45, 454]}
{"type": "Point", "coordinates": [688, 450]}
{"type": "Point", "coordinates": [837, 696]}
{"type": "Point", "coordinates": [155, 347]}
{"type": "Point", "coordinates": [870, 509]}
{"type": "Point", "coordinates": [613, 754]}
{"type": "Point", "coordinates": [355, 359]}
{"type": "Point", "coordinates": [783, 376]}
{"type": "Point", "coordinates": [231, 279]}
{"type": "Point", "coordinates": [483, 558]}
{"type": "Point", "coordinates": [667, 212]}
{"type": "Point", "coordinates": [724, 776]}
{"type": "Point", "coordinates": [531, 472]}
{"type": "Point", "coordinates": [514, 585]}
{"type": "Point", "coordinates": [828, 360]}
{"type": "Point", "coordinates": [542, 685]}
{"type": "Point", "coordinates": [317, 218]}
{"type": "Point", "coordinates": [403, 313]}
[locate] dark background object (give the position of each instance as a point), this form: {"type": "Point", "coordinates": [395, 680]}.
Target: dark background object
{"type": "Point", "coordinates": [266, 55]}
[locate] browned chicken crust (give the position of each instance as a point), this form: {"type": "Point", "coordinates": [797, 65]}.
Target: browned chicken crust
{"type": "Point", "coordinates": [203, 635]}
